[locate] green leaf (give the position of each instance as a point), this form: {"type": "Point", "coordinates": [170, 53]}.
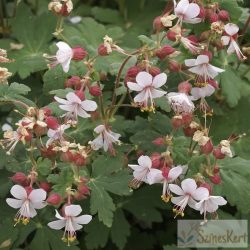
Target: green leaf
{"type": "Point", "coordinates": [232, 7]}
{"type": "Point", "coordinates": [44, 167]}
{"type": "Point", "coordinates": [107, 15]}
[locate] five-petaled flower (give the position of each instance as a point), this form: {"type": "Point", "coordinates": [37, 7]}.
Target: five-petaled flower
{"type": "Point", "coordinates": [27, 203]}
{"type": "Point", "coordinates": [143, 172]}
{"type": "Point", "coordinates": [105, 139]}
{"type": "Point", "coordinates": [75, 106]}
{"type": "Point", "coordinates": [147, 86]}
{"type": "Point", "coordinates": [57, 134]}
{"type": "Point", "coordinates": [180, 102]}
{"type": "Point", "coordinates": [229, 39]}
{"type": "Point", "coordinates": [70, 221]}
{"type": "Point", "coordinates": [188, 193]}
{"type": "Point", "coordinates": [187, 12]}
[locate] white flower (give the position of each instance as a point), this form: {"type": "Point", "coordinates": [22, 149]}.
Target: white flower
{"type": "Point", "coordinates": [28, 203]}
{"type": "Point", "coordinates": [188, 193]}
{"type": "Point", "coordinates": [75, 106]}
{"type": "Point", "coordinates": [57, 134]}
{"type": "Point", "coordinates": [105, 139]}
{"type": "Point", "coordinates": [166, 176]}
{"type": "Point", "coordinates": [201, 67]}
{"type": "Point", "coordinates": [71, 222]}
{"type": "Point", "coordinates": [210, 204]}
{"type": "Point", "coordinates": [202, 92]}
{"type": "Point", "coordinates": [147, 86]}
{"type": "Point", "coordinates": [143, 172]}
{"type": "Point", "coordinates": [225, 148]}
{"type": "Point", "coordinates": [193, 47]}
{"type": "Point", "coordinates": [229, 39]}
{"type": "Point", "coordinates": [180, 102]}
{"type": "Point", "coordinates": [187, 12]}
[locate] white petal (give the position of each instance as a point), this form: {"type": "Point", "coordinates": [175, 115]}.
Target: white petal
{"type": "Point", "coordinates": [225, 40]}
{"type": "Point", "coordinates": [89, 105]}
{"type": "Point", "coordinates": [192, 11]}
{"type": "Point", "coordinates": [18, 192]}
{"type": "Point", "coordinates": [73, 98]}
{"type": "Point", "coordinates": [201, 59]}
{"type": "Point", "coordinates": [58, 216]}
{"type": "Point", "coordinates": [174, 173]}
{"type": "Point", "coordinates": [181, 7]}
{"type": "Point", "coordinates": [231, 49]}
{"type": "Point", "coordinates": [97, 143]}
{"type": "Point", "coordinates": [153, 176]}
{"type": "Point", "coordinates": [200, 193]}
{"type": "Point", "coordinates": [134, 86]}
{"type": "Point", "coordinates": [177, 200]}
{"type": "Point", "coordinates": [190, 62]}
{"type": "Point", "coordinates": [39, 205]}
{"type": "Point", "coordinates": [37, 195]}
{"type": "Point", "coordinates": [99, 129]}
{"type": "Point", "coordinates": [145, 161]}
{"type": "Point", "coordinates": [208, 90]}
{"type": "Point", "coordinates": [188, 185]}
{"type": "Point", "coordinates": [68, 107]}
{"type": "Point", "coordinates": [214, 71]}
{"type": "Point", "coordinates": [197, 70]}
{"type": "Point", "coordinates": [57, 224]}
{"type": "Point", "coordinates": [141, 97]}
{"type": "Point", "coordinates": [157, 93]}
{"type": "Point", "coordinates": [14, 203]}
{"type": "Point", "coordinates": [192, 203]}
{"type": "Point", "coordinates": [219, 200]}
{"type": "Point", "coordinates": [192, 20]}
{"type": "Point", "coordinates": [83, 219]}
{"type": "Point", "coordinates": [65, 65]}
{"type": "Point", "coordinates": [63, 46]}
{"type": "Point", "coordinates": [82, 113]}
{"type": "Point", "coordinates": [144, 79]}
{"type": "Point", "coordinates": [73, 210]}
{"type": "Point", "coordinates": [60, 100]}
{"type": "Point", "coordinates": [175, 189]}
{"type": "Point", "coordinates": [231, 29]}
{"type": "Point", "coordinates": [159, 80]}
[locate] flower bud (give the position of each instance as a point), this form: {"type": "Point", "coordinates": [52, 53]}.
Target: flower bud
{"type": "Point", "coordinates": [171, 35]}
{"type": "Point", "coordinates": [189, 132]}
{"type": "Point", "coordinates": [79, 160]}
{"type": "Point", "coordinates": [73, 82]}
{"type": "Point", "coordinates": [207, 148]}
{"type": "Point", "coordinates": [213, 83]}
{"type": "Point", "coordinates": [79, 53]}
{"type": "Point", "coordinates": [223, 15]}
{"type": "Point", "coordinates": [193, 38]}
{"type": "Point", "coordinates": [158, 141]}
{"type": "Point", "coordinates": [218, 154]}
{"type": "Point", "coordinates": [20, 178]}
{"type": "Point", "coordinates": [66, 156]}
{"type": "Point", "coordinates": [213, 18]}
{"type": "Point", "coordinates": [216, 169]}
{"type": "Point", "coordinates": [207, 186]}
{"type": "Point", "coordinates": [202, 12]}
{"type": "Point", "coordinates": [177, 122]}
{"type": "Point", "coordinates": [102, 50]}
{"type": "Point", "coordinates": [154, 71]}
{"type": "Point", "coordinates": [47, 111]}
{"type": "Point", "coordinates": [157, 24]}
{"type": "Point", "coordinates": [95, 90]}
{"type": "Point", "coordinates": [54, 199]}
{"type": "Point", "coordinates": [174, 66]}
{"type": "Point", "coordinates": [216, 179]}
{"type": "Point", "coordinates": [28, 137]}
{"type": "Point", "coordinates": [79, 196]}
{"type": "Point", "coordinates": [28, 190]}
{"type": "Point", "coordinates": [52, 122]}
{"type": "Point", "coordinates": [39, 131]}
{"type": "Point", "coordinates": [187, 119]}
{"type": "Point", "coordinates": [133, 71]}
{"type": "Point", "coordinates": [156, 159]}
{"type": "Point", "coordinates": [165, 51]}
{"type": "Point", "coordinates": [80, 94]}
{"type": "Point", "coordinates": [48, 152]}
{"type": "Point", "coordinates": [184, 87]}
{"type": "Point", "coordinates": [83, 189]}
{"type": "Point", "coordinates": [45, 186]}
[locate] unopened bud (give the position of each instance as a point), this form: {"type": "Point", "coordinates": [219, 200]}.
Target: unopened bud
{"type": "Point", "coordinates": [52, 122]}
{"type": "Point", "coordinates": [165, 51]}
{"type": "Point", "coordinates": [79, 53]}
{"type": "Point", "coordinates": [95, 90]}
{"type": "Point", "coordinates": [54, 199]}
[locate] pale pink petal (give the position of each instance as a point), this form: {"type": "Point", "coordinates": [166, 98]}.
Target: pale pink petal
{"type": "Point", "coordinates": [58, 216]}
{"type": "Point", "coordinates": [37, 195]}
{"type": "Point", "coordinates": [190, 62]}
{"type": "Point", "coordinates": [214, 71]}
{"type": "Point", "coordinates": [210, 206]}
{"type": "Point", "coordinates": [18, 192]}
{"type": "Point", "coordinates": [208, 90]}
{"type": "Point", "coordinates": [99, 129]}
{"type": "Point", "coordinates": [38, 205]}
{"type": "Point", "coordinates": [188, 185]}
{"type": "Point", "coordinates": [83, 219]}
{"type": "Point", "coordinates": [201, 59]}
{"type": "Point", "coordinates": [73, 210]}
{"type": "Point", "coordinates": [177, 200]}
{"type": "Point", "coordinates": [225, 40]}
{"type": "Point", "coordinates": [231, 49]}
{"type": "Point", "coordinates": [192, 20]}
{"type": "Point", "coordinates": [200, 206]}
{"type": "Point", "coordinates": [159, 80]}
{"type": "Point", "coordinates": [157, 93]}
{"type": "Point", "coordinates": [14, 203]}
{"type": "Point", "coordinates": [65, 65]}
{"type": "Point", "coordinates": [145, 161]}
{"type": "Point", "coordinates": [192, 203]}
{"type": "Point", "coordinates": [197, 70]}
{"type": "Point", "coordinates": [67, 107]}
{"type": "Point", "coordinates": [57, 224]}
{"type": "Point", "coordinates": [154, 176]}
{"type": "Point", "coordinates": [200, 193]}
{"type": "Point", "coordinates": [181, 7]}
{"type": "Point", "coordinates": [218, 200]}
{"type": "Point", "coordinates": [174, 173]}
{"type": "Point", "coordinates": [63, 46]}
{"type": "Point", "coordinates": [176, 189]}
{"type": "Point", "coordinates": [89, 105]}
{"type": "Point", "coordinates": [141, 97]}
{"type": "Point", "coordinates": [60, 100]}
{"type": "Point", "coordinates": [133, 166]}
{"type": "Point", "coordinates": [141, 174]}
{"type": "Point", "coordinates": [76, 226]}
{"type": "Point", "coordinates": [231, 29]}
{"type": "Point", "coordinates": [82, 113]}
{"type": "Point", "coordinates": [97, 143]}
{"type": "Point", "coordinates": [144, 79]}
{"type": "Point", "coordinates": [73, 98]}
{"type": "Point", "coordinates": [192, 11]}
{"type": "Point", "coordinates": [134, 86]}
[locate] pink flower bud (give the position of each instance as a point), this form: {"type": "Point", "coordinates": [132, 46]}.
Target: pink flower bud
{"type": "Point", "coordinates": [207, 186]}
{"type": "Point", "coordinates": [80, 94]}
{"type": "Point", "coordinates": [48, 152]}
{"type": "Point", "coordinates": [216, 179]}
{"type": "Point", "coordinates": [28, 189]}
{"type": "Point", "coordinates": [158, 141]}
{"type": "Point", "coordinates": [156, 160]}
{"type": "Point", "coordinates": [171, 35]}
{"type": "Point", "coordinates": [79, 53]}
{"type": "Point", "coordinates": [164, 51]}
{"type": "Point", "coordinates": [83, 189]}
{"type": "Point", "coordinates": [102, 50]}
{"type": "Point", "coordinates": [154, 71]}
{"type": "Point", "coordinates": [20, 178]}
{"type": "Point", "coordinates": [224, 15]}
{"type": "Point", "coordinates": [213, 18]}
{"type": "Point", "coordinates": [189, 132]}
{"type": "Point", "coordinates": [174, 66]}
{"type": "Point", "coordinates": [64, 10]}
{"type": "Point", "coordinates": [133, 71]}
{"type": "Point", "coordinates": [73, 82]}
{"type": "Point", "coordinates": [218, 154]}
{"type": "Point", "coordinates": [184, 87]}
{"type": "Point", "coordinates": [52, 122]}
{"type": "Point", "coordinates": [95, 90]}
{"type": "Point", "coordinates": [79, 196]}
{"type": "Point", "coordinates": [202, 13]}
{"type": "Point", "coordinates": [79, 160]}
{"type": "Point", "coordinates": [28, 137]}
{"type": "Point", "coordinates": [45, 186]}
{"type": "Point", "coordinates": [207, 148]}
{"type": "Point", "coordinates": [157, 24]}
{"type": "Point", "coordinates": [193, 38]}
{"type": "Point", "coordinates": [176, 122]}
{"type": "Point", "coordinates": [54, 199]}
{"type": "Point", "coordinates": [47, 111]}
{"type": "Point", "coordinates": [216, 169]}
{"type": "Point", "coordinates": [66, 156]}
{"type": "Point", "coordinates": [187, 119]}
